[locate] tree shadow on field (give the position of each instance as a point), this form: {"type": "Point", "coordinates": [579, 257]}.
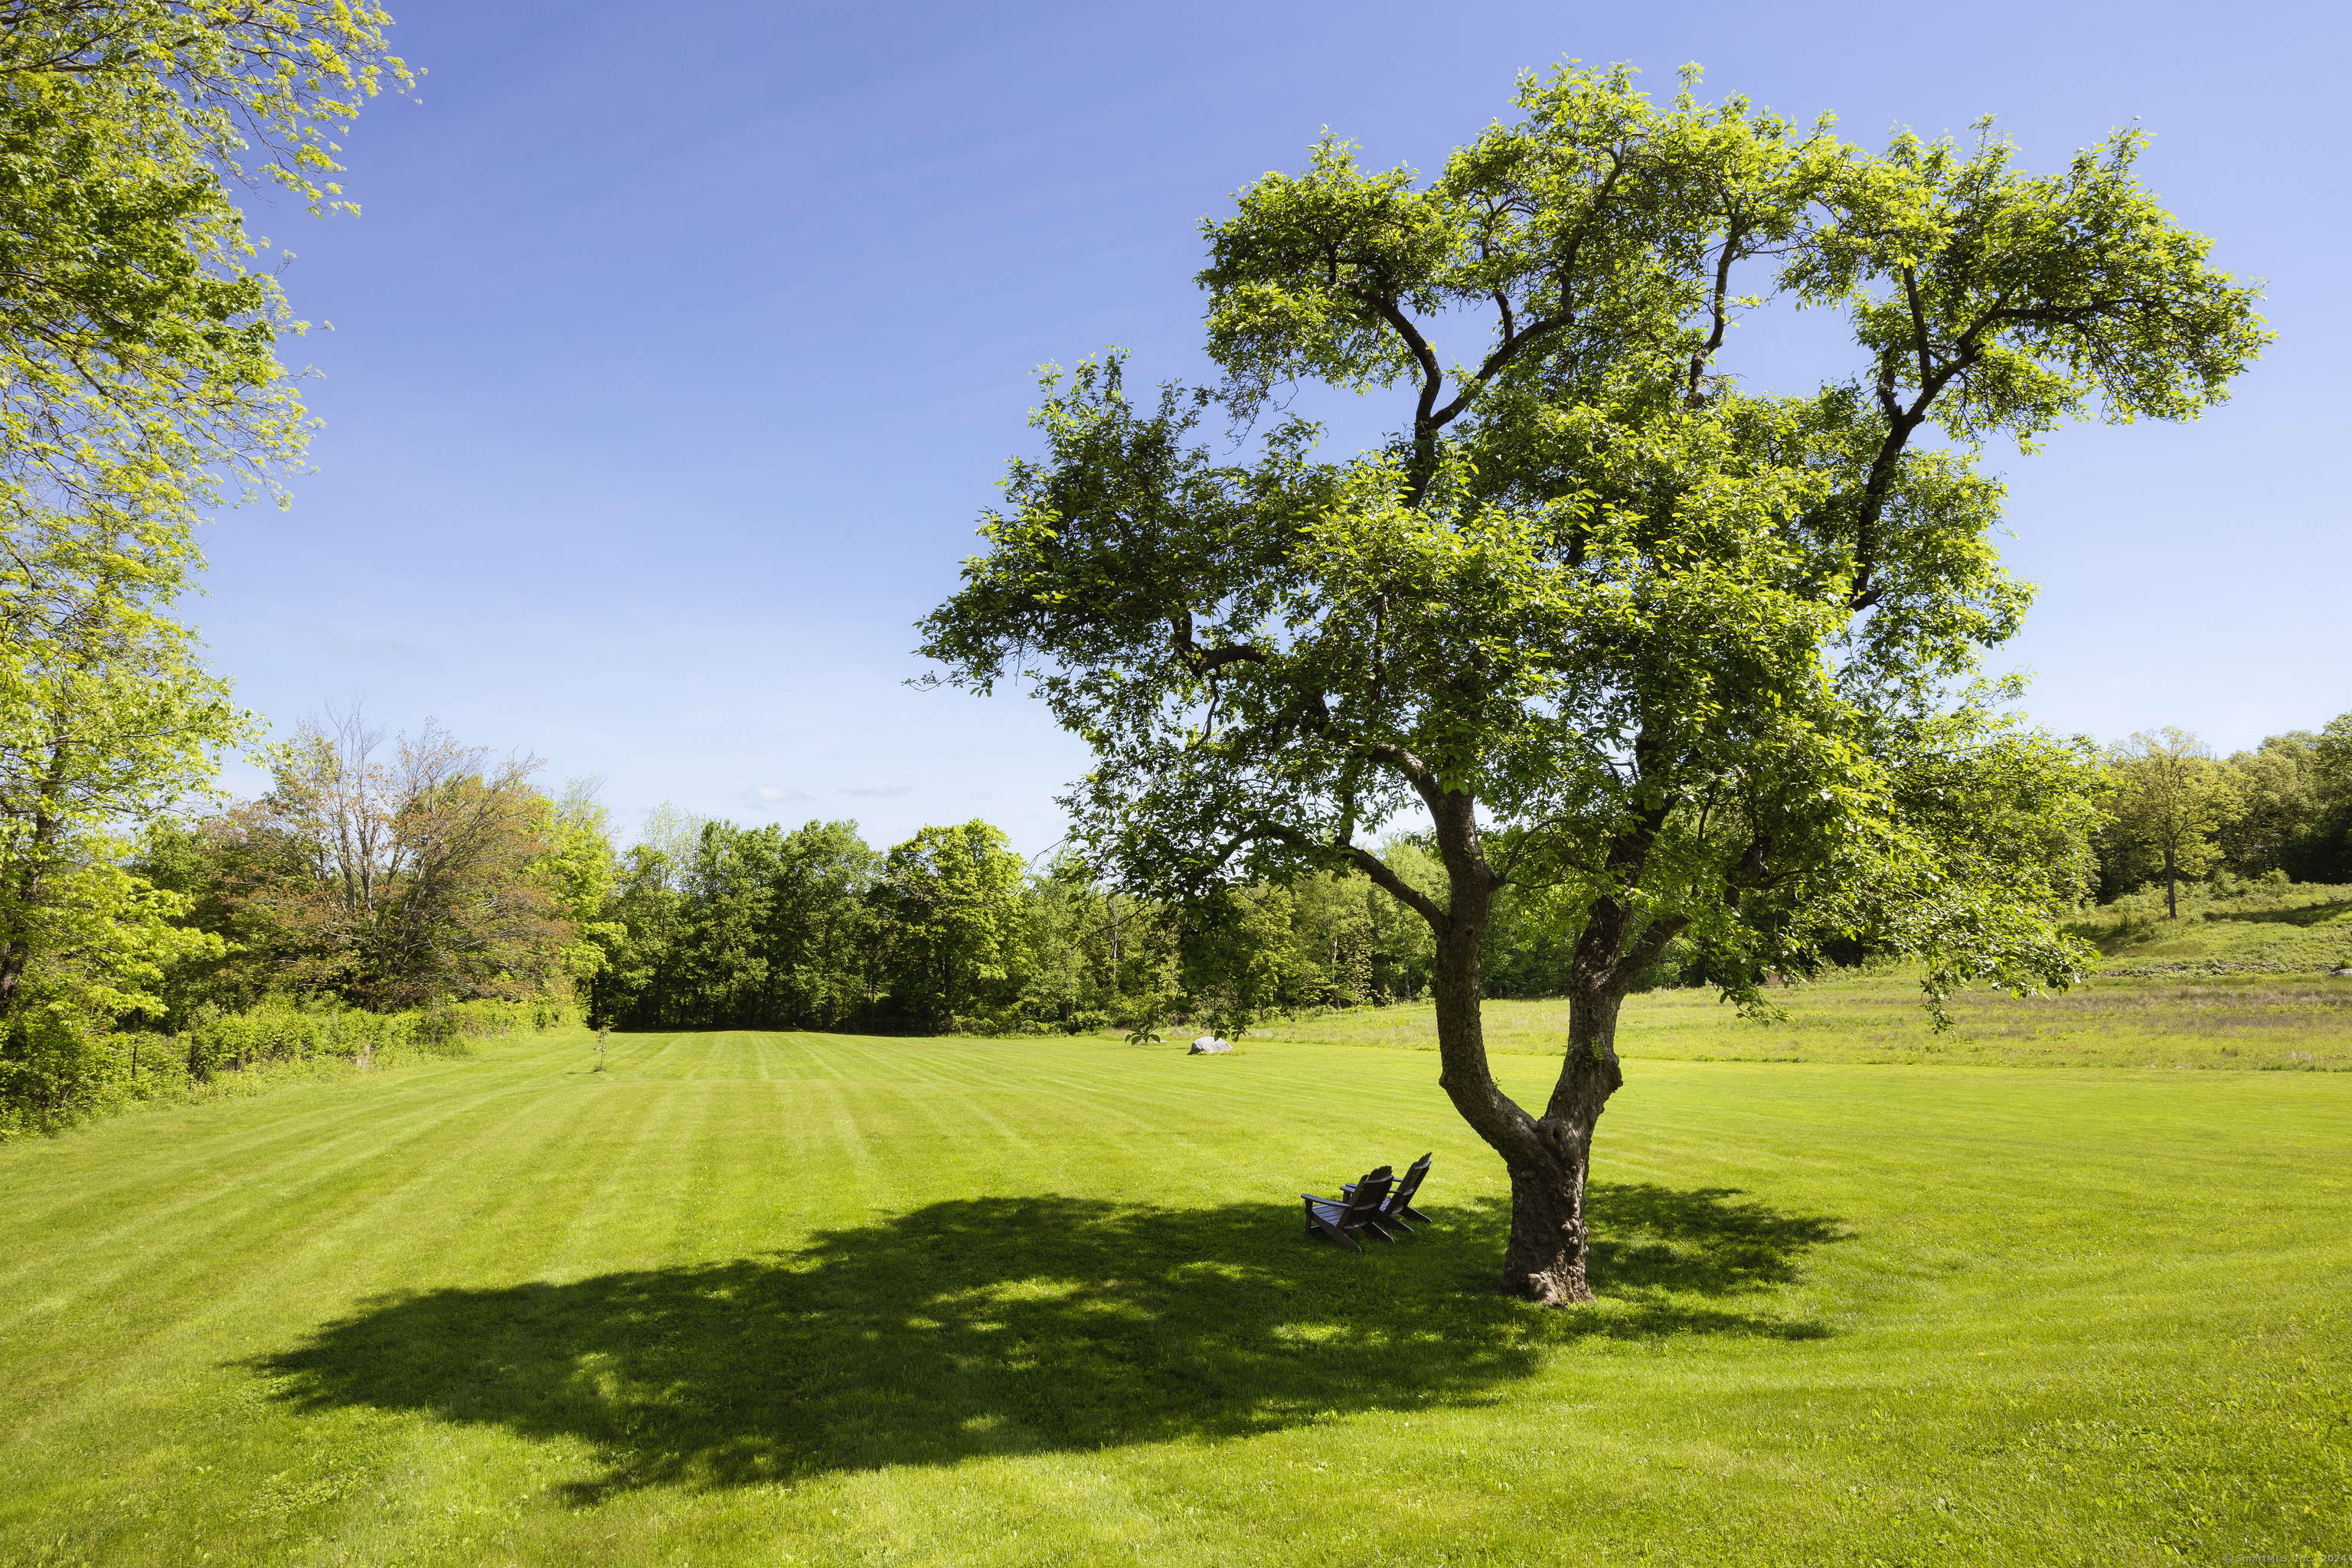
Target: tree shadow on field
{"type": "Point", "coordinates": [1652, 1245]}
{"type": "Point", "coordinates": [1016, 1324]}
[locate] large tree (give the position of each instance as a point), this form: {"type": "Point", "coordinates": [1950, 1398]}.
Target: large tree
{"type": "Point", "coordinates": [107, 719]}
{"type": "Point", "coordinates": [1699, 655]}
{"type": "Point", "coordinates": [958, 936]}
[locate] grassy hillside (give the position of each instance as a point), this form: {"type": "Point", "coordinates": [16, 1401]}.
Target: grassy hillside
{"type": "Point", "coordinates": [2235, 983]}
{"type": "Point", "coordinates": [2252, 928]}
{"type": "Point", "coordinates": [766, 1298]}
{"type": "Point", "coordinates": [2298, 1022]}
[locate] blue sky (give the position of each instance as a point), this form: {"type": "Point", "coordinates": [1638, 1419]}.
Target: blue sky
{"type": "Point", "coordinates": [679, 348]}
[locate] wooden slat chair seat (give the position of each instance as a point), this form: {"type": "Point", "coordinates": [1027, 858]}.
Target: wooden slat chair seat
{"type": "Point", "coordinates": [1399, 1207]}
{"type": "Point", "coordinates": [1341, 1219]}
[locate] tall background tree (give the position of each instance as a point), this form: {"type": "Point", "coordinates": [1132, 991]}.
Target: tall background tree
{"type": "Point", "coordinates": [2280, 798]}
{"type": "Point", "coordinates": [2170, 799]}
{"type": "Point", "coordinates": [1697, 657]}
{"type": "Point", "coordinates": [107, 719]}
{"type": "Point", "coordinates": [2280, 812]}
{"type": "Point", "coordinates": [400, 875]}
{"type": "Point", "coordinates": [958, 935]}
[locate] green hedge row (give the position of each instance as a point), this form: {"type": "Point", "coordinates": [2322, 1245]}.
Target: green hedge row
{"type": "Point", "coordinates": [56, 1072]}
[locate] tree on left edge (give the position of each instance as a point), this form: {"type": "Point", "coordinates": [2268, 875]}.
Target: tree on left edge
{"type": "Point", "coordinates": [140, 384]}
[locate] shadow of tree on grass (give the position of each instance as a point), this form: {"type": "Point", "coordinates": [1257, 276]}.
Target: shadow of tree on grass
{"type": "Point", "coordinates": [1653, 1244]}
{"type": "Point", "coordinates": [1013, 1324]}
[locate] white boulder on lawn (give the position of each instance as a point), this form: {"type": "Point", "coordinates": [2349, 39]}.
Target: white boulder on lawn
{"type": "Point", "coordinates": [1208, 1046]}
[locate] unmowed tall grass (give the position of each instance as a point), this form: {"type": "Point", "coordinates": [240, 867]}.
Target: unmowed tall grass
{"type": "Point", "coordinates": [2222, 1022]}
{"type": "Point", "coordinates": [2241, 980]}
{"type": "Point", "coordinates": [2225, 926]}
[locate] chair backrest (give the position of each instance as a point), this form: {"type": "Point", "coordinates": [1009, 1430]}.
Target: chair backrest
{"type": "Point", "coordinates": [1371, 1194]}
{"type": "Point", "coordinates": [1411, 1182]}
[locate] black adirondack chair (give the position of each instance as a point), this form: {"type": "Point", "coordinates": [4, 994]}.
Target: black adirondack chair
{"type": "Point", "coordinates": [1340, 1220]}
{"type": "Point", "coordinates": [1399, 1207]}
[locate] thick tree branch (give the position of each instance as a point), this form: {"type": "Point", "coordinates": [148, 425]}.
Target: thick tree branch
{"type": "Point", "coordinates": [1935, 375]}
{"type": "Point", "coordinates": [1428, 419]}
{"type": "Point", "coordinates": [1371, 865]}
{"type": "Point", "coordinates": [1494, 363]}
{"type": "Point", "coordinates": [1722, 291]}
{"type": "Point", "coordinates": [1405, 893]}
{"type": "Point", "coordinates": [1919, 325]}
{"type": "Point", "coordinates": [1433, 376]}
{"type": "Point", "coordinates": [1653, 940]}
{"type": "Point", "coordinates": [1420, 775]}
{"type": "Point", "coordinates": [1901, 423]}
{"type": "Point", "coordinates": [1201, 661]}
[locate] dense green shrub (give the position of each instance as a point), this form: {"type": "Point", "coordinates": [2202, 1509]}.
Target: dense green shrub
{"type": "Point", "coordinates": [56, 1070]}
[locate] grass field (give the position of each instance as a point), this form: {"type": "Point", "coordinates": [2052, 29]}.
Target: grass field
{"type": "Point", "coordinates": [791, 1299]}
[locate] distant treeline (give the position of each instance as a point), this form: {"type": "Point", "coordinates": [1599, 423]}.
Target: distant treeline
{"type": "Point", "coordinates": [389, 876]}
{"type": "Point", "coordinates": [722, 926]}
{"type": "Point", "coordinates": [377, 879]}
{"type": "Point", "coordinates": [712, 925]}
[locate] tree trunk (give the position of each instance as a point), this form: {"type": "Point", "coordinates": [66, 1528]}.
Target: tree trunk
{"type": "Point", "coordinates": [2171, 894]}
{"type": "Point", "coordinates": [1548, 1157]}
{"type": "Point", "coordinates": [1549, 1239]}
{"type": "Point", "coordinates": [1546, 1177]}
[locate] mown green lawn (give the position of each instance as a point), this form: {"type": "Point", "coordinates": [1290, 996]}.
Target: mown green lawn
{"type": "Point", "coordinates": [795, 1298]}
